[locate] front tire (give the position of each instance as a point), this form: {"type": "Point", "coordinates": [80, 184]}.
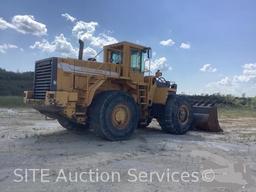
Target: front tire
{"type": "Point", "coordinates": [178, 116]}
{"type": "Point", "coordinates": [113, 115]}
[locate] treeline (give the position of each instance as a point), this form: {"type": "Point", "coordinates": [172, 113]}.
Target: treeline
{"type": "Point", "coordinates": [226, 100]}
{"type": "Point", "coordinates": [14, 83]}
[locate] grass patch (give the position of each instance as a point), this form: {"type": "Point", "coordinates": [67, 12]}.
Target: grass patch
{"type": "Point", "coordinates": [11, 101]}
{"type": "Point", "coordinates": [236, 112]}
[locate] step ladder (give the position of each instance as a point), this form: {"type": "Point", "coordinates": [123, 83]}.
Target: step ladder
{"type": "Point", "coordinates": [143, 101]}
{"type": "Point", "coordinates": [142, 95]}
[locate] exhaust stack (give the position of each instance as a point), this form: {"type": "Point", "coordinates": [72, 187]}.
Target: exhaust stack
{"type": "Point", "coordinates": [81, 49]}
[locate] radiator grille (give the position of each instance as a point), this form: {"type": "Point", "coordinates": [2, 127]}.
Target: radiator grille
{"type": "Point", "coordinates": [45, 75]}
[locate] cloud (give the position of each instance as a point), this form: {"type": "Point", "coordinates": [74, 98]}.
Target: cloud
{"type": "Point", "coordinates": [89, 52]}
{"type": "Point", "coordinates": [4, 24]}
{"type": "Point", "coordinates": [208, 68]}
{"type": "Point", "coordinates": [226, 81]}
{"type": "Point", "coordinates": [25, 24]}
{"type": "Point", "coordinates": [44, 45]}
{"type": "Point", "coordinates": [248, 74]}
{"type": "Point", "coordinates": [5, 47]}
{"type": "Point", "coordinates": [86, 32]}
{"type": "Point", "coordinates": [237, 84]}
{"type": "Point", "coordinates": [185, 46]}
{"type": "Point", "coordinates": [168, 42]}
{"type": "Point", "coordinates": [61, 45]}
{"type": "Point", "coordinates": [158, 63]}
{"type": "Point", "coordinates": [68, 17]}
{"type": "Point", "coordinates": [102, 40]}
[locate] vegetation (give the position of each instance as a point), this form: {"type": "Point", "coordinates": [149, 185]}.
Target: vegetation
{"type": "Point", "coordinates": [236, 112]}
{"type": "Point", "coordinates": [230, 106]}
{"type": "Point", "coordinates": [11, 101]}
{"type": "Point", "coordinates": [237, 106]}
{"type": "Point", "coordinates": [228, 100]}
{"type": "Point", "coordinates": [12, 83]}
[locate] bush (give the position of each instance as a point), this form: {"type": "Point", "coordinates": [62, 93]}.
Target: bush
{"type": "Point", "coordinates": [11, 101]}
{"type": "Point", "coordinates": [12, 83]}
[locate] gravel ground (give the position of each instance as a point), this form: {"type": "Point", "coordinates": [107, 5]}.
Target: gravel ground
{"type": "Point", "coordinates": [39, 155]}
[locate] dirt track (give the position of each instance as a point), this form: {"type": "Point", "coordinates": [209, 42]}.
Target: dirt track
{"type": "Point", "coordinates": [28, 141]}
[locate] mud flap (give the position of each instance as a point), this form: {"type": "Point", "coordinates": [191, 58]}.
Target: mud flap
{"type": "Point", "coordinates": [205, 117]}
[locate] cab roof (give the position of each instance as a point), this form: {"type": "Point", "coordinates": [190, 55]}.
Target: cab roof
{"type": "Point", "coordinates": [126, 43]}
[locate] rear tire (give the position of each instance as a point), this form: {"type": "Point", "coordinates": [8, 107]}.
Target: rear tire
{"type": "Point", "coordinates": [113, 115]}
{"type": "Point", "coordinates": [178, 116]}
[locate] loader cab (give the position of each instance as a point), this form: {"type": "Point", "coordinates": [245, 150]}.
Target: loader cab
{"type": "Point", "coordinates": [114, 54]}
{"type": "Point", "coordinates": [131, 58]}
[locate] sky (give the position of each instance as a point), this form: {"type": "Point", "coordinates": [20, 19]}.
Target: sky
{"type": "Point", "coordinates": [205, 46]}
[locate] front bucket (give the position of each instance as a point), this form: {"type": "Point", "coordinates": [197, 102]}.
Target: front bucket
{"type": "Point", "coordinates": [206, 118]}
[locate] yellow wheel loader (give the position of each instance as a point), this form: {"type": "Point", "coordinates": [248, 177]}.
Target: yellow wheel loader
{"type": "Point", "coordinates": [115, 96]}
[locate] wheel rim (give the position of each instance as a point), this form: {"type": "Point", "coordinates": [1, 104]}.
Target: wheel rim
{"type": "Point", "coordinates": [121, 116]}
{"type": "Point", "coordinates": [183, 114]}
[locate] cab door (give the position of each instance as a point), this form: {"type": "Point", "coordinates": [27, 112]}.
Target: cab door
{"type": "Point", "coordinates": [137, 65]}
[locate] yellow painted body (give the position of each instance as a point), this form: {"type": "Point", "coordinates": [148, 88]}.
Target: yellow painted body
{"type": "Point", "coordinates": [78, 81]}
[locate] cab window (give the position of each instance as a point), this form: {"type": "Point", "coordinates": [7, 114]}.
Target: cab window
{"type": "Point", "coordinates": [137, 60]}
{"type": "Point", "coordinates": [116, 57]}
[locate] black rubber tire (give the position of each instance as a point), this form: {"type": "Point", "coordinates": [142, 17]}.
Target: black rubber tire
{"type": "Point", "coordinates": [70, 125]}
{"type": "Point", "coordinates": [170, 121]}
{"type": "Point", "coordinates": [100, 115]}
